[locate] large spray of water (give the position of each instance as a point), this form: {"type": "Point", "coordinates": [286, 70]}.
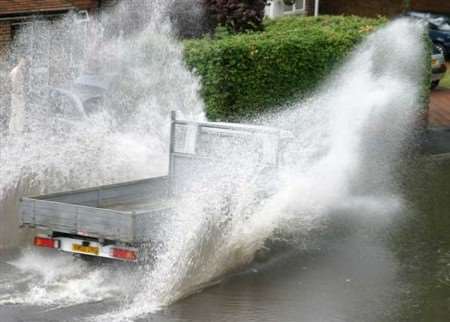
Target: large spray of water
{"type": "Point", "coordinates": [345, 143]}
{"type": "Point", "coordinates": [90, 102]}
{"type": "Point", "coordinates": [347, 139]}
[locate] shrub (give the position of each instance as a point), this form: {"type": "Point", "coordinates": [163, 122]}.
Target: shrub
{"type": "Point", "coordinates": [237, 15]}
{"type": "Point", "coordinates": [249, 73]}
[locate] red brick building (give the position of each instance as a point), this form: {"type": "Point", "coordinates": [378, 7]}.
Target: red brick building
{"type": "Point", "coordinates": [388, 8]}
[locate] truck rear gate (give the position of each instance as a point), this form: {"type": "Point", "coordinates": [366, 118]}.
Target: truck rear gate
{"type": "Point", "coordinates": [89, 248]}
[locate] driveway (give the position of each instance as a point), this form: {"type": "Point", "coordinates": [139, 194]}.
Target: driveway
{"type": "Point", "coordinates": [438, 138]}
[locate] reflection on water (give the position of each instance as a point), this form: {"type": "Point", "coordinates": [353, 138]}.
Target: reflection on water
{"type": "Point", "coordinates": [347, 280]}
{"type": "Point", "coordinates": [421, 242]}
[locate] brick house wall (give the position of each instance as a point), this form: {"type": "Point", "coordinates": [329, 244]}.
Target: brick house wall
{"type": "Point", "coordinates": [361, 7]}
{"type": "Point", "coordinates": [5, 36]}
{"type": "Point", "coordinates": [372, 8]}
{"type": "Point", "coordinates": [437, 6]}
{"type": "Point", "coordinates": [33, 6]}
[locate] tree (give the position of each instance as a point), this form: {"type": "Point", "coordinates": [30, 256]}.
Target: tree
{"type": "Point", "coordinates": [236, 15]}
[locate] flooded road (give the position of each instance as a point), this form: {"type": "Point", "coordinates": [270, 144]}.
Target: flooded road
{"type": "Point", "coordinates": [364, 270]}
{"type": "Point", "coordinates": [350, 281]}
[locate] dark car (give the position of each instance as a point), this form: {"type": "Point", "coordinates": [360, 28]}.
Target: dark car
{"type": "Point", "coordinates": [439, 29]}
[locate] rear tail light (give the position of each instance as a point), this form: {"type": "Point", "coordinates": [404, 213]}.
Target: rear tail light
{"type": "Point", "coordinates": [46, 242]}
{"type": "Point", "coordinates": [124, 254]}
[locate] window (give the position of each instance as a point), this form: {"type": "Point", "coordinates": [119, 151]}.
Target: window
{"type": "Point", "coordinates": [299, 5]}
{"type": "Point", "coordinates": [277, 8]}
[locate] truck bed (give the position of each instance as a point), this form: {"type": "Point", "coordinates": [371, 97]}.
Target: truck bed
{"type": "Point", "coordinates": [133, 212]}
{"type": "Point", "coordinates": [129, 212]}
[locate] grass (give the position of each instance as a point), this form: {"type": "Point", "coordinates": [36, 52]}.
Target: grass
{"type": "Point", "coordinates": [445, 82]}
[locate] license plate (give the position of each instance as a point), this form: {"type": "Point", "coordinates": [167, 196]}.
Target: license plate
{"type": "Point", "coordinates": [85, 249]}
{"type": "Point", "coordinates": [434, 63]}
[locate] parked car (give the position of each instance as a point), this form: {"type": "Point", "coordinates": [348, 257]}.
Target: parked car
{"type": "Point", "coordinates": [438, 66]}
{"type": "Point", "coordinates": [439, 29]}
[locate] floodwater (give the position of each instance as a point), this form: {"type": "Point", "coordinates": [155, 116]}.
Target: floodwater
{"type": "Point", "coordinates": [350, 270]}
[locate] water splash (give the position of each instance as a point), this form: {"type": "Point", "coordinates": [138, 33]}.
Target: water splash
{"type": "Point", "coordinates": [90, 103]}
{"type": "Point", "coordinates": [59, 281]}
{"type": "Point", "coordinates": [348, 140]}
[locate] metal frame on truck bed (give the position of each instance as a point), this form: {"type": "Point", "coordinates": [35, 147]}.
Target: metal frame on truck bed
{"type": "Point", "coordinates": [113, 220]}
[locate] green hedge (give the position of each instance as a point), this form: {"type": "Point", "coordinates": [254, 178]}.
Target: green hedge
{"type": "Point", "coordinates": [249, 73]}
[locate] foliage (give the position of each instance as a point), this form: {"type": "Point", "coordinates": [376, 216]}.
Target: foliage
{"type": "Point", "coordinates": [236, 15]}
{"type": "Point", "coordinates": [445, 82]}
{"type": "Point", "coordinates": [249, 73]}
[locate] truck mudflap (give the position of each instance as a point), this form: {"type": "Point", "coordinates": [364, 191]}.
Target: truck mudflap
{"type": "Point", "coordinates": [89, 248]}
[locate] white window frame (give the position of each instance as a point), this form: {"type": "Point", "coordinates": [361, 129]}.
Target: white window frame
{"type": "Point", "coordinates": [275, 8]}
{"type": "Point", "coordinates": [295, 10]}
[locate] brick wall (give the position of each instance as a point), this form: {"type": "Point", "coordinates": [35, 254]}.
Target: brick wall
{"type": "Point", "coordinates": [5, 38]}
{"type": "Point", "coordinates": [372, 8]}
{"type": "Point", "coordinates": [5, 33]}
{"type": "Point", "coordinates": [361, 7]}
{"type": "Point", "coordinates": [437, 6]}
{"type": "Point", "coordinates": [31, 6]}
